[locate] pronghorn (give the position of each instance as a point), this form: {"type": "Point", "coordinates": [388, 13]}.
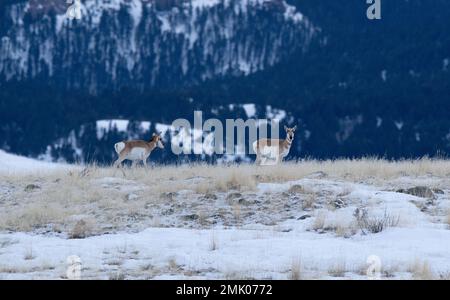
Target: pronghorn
{"type": "Point", "coordinates": [137, 150]}
{"type": "Point", "coordinates": [274, 149]}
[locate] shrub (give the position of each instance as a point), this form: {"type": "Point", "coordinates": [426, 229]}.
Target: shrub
{"type": "Point", "coordinates": [374, 224]}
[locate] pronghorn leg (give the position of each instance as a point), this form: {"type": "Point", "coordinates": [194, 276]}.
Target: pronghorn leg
{"type": "Point", "coordinates": [118, 165]}
{"type": "Point", "coordinates": [144, 161]}
{"type": "Point", "coordinates": [134, 164]}
{"type": "Point", "coordinates": [258, 159]}
{"type": "Point", "coordinates": [122, 157]}
{"type": "Point", "coordinates": [118, 162]}
{"type": "Point", "coordinates": [264, 160]}
{"type": "Point", "coordinates": [278, 160]}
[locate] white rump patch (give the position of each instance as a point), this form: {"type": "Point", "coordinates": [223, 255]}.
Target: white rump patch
{"type": "Point", "coordinates": [119, 147]}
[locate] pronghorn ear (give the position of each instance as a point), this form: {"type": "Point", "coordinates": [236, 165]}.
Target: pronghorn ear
{"type": "Point", "coordinates": [285, 128]}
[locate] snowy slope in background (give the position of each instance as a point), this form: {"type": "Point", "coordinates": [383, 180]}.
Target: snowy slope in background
{"type": "Point", "coordinates": [182, 43]}
{"type": "Point", "coordinates": [15, 163]}
{"type": "Point", "coordinates": [109, 131]}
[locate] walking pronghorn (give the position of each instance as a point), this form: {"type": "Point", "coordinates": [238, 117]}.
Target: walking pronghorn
{"type": "Point", "coordinates": [274, 149]}
{"type": "Point", "coordinates": [137, 150]}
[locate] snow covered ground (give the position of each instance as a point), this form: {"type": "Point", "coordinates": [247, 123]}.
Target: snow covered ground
{"type": "Point", "coordinates": [16, 164]}
{"type": "Point", "coordinates": [297, 221]}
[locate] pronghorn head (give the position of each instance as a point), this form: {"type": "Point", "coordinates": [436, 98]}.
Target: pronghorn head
{"type": "Point", "coordinates": [290, 132]}
{"type": "Point", "coordinates": [157, 138]}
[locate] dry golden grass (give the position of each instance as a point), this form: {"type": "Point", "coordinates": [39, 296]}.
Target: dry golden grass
{"type": "Point", "coordinates": [213, 245]}
{"type": "Point", "coordinates": [338, 269]}
{"type": "Point", "coordinates": [83, 229]}
{"type": "Point", "coordinates": [296, 270]}
{"type": "Point", "coordinates": [103, 193]}
{"type": "Point", "coordinates": [421, 270]}
{"type": "Point", "coordinates": [319, 221]}
{"type": "Point", "coordinates": [331, 221]}
{"type": "Point", "coordinates": [309, 200]}
{"type": "Point", "coordinates": [245, 175]}
{"type": "Point", "coordinates": [237, 212]}
{"type": "Point", "coordinates": [346, 230]}
{"type": "Point", "coordinates": [448, 218]}
{"type": "Point", "coordinates": [353, 168]}
{"type": "Point", "coordinates": [34, 215]}
{"type": "Point", "coordinates": [29, 255]}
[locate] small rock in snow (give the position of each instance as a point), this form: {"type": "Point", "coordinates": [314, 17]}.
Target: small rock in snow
{"type": "Point", "coordinates": [438, 191]}
{"type": "Point", "coordinates": [191, 217]}
{"type": "Point", "coordinates": [31, 187]}
{"type": "Point", "coordinates": [296, 189]}
{"type": "Point", "coordinates": [233, 196]}
{"type": "Point", "coordinates": [210, 196]}
{"type": "Point", "coordinates": [318, 175]}
{"type": "Point", "coordinates": [132, 196]}
{"type": "Point", "coordinates": [168, 196]}
{"type": "Point", "coordinates": [418, 191]}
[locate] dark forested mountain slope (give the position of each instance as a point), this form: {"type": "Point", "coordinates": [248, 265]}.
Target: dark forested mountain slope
{"type": "Point", "coordinates": [355, 87]}
{"type": "Point", "coordinates": [137, 44]}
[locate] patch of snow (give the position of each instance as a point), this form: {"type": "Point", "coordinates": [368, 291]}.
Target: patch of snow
{"type": "Point", "coordinates": [259, 253]}
{"type": "Point", "coordinates": [399, 124]}
{"type": "Point", "coordinates": [145, 126]}
{"type": "Point", "coordinates": [244, 66]}
{"type": "Point", "coordinates": [347, 126]}
{"type": "Point", "coordinates": [379, 121]}
{"type": "Point", "coordinates": [307, 134]}
{"type": "Point", "coordinates": [275, 114]}
{"type": "Point", "coordinates": [291, 13]}
{"type": "Point", "coordinates": [165, 24]}
{"type": "Point", "coordinates": [445, 64]}
{"type": "Point", "coordinates": [417, 135]}
{"type": "Point", "coordinates": [204, 3]}
{"type": "Point", "coordinates": [163, 128]}
{"type": "Point", "coordinates": [384, 75]}
{"type": "Point", "coordinates": [250, 110]}
{"type": "Point", "coordinates": [10, 163]}
{"type": "Point", "coordinates": [104, 126]}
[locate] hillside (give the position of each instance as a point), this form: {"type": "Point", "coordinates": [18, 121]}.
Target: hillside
{"type": "Point", "coordinates": [311, 220]}
{"type": "Point", "coordinates": [18, 164]}
{"type": "Point", "coordinates": [354, 87]}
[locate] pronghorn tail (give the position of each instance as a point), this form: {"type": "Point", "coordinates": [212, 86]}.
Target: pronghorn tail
{"type": "Point", "coordinates": [119, 147]}
{"type": "Point", "coordinates": [255, 146]}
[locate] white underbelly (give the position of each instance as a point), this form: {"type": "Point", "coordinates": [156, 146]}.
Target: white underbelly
{"type": "Point", "coordinates": [274, 152]}
{"type": "Point", "coordinates": [270, 151]}
{"type": "Point", "coordinates": [137, 153]}
{"type": "Point", "coordinates": [284, 153]}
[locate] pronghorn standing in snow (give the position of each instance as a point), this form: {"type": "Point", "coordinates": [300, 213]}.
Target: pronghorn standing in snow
{"type": "Point", "coordinates": [274, 149]}
{"type": "Point", "coordinates": [137, 150]}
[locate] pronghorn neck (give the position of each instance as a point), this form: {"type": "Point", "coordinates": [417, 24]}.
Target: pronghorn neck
{"type": "Point", "coordinates": [288, 141]}
{"type": "Point", "coordinates": [152, 143]}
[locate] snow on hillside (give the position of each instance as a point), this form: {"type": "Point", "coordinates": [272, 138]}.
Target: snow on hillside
{"type": "Point", "coordinates": [104, 126]}
{"type": "Point", "coordinates": [172, 253]}
{"type": "Point", "coordinates": [173, 41]}
{"type": "Point", "coordinates": [14, 163]}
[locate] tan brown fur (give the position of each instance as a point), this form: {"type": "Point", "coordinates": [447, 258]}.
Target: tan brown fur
{"type": "Point", "coordinates": [282, 145]}
{"type": "Point", "coordinates": [155, 141]}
